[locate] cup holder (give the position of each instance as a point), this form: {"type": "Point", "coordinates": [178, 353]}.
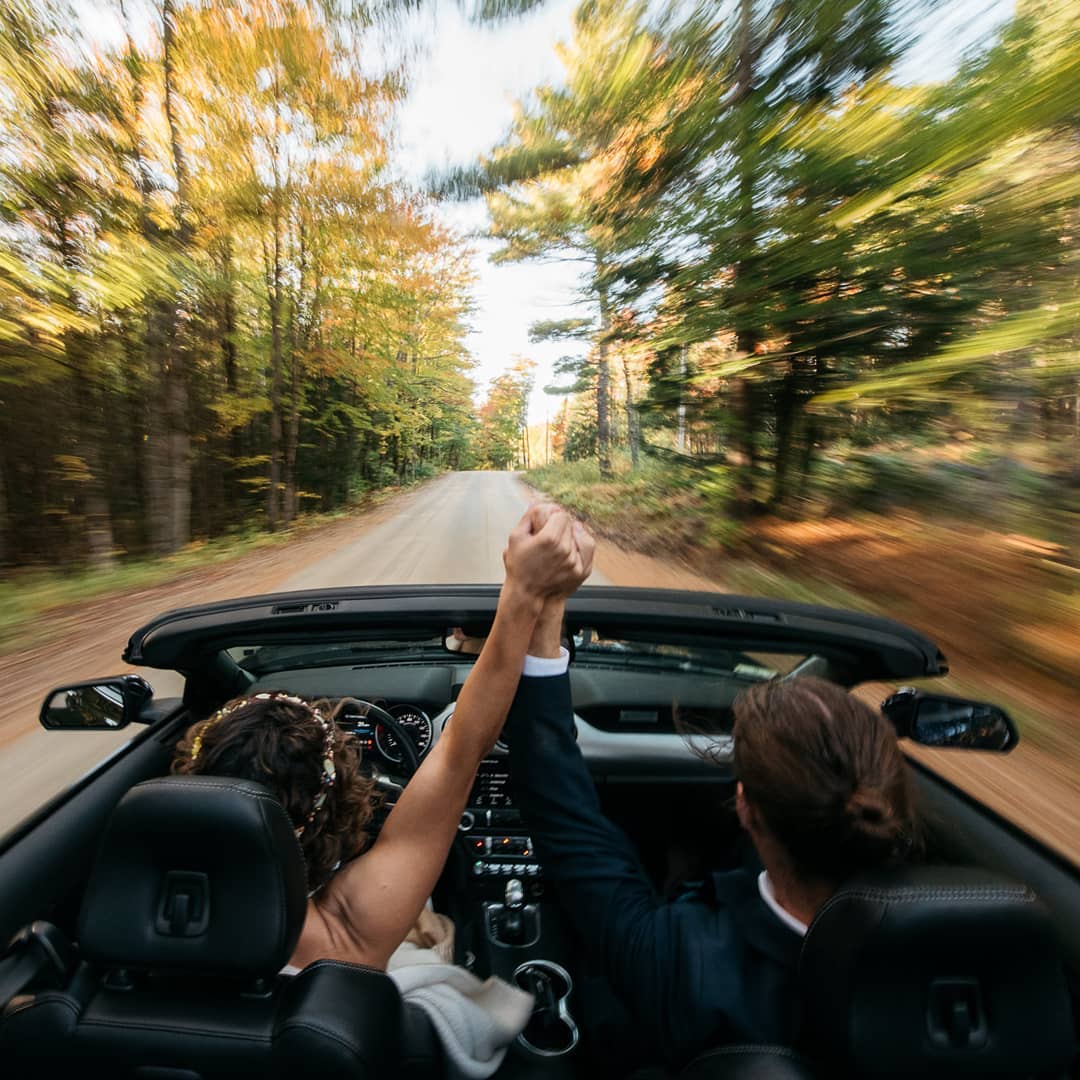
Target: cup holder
{"type": "Point", "coordinates": [551, 1031]}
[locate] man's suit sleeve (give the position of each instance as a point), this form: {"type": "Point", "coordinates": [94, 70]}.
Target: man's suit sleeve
{"type": "Point", "coordinates": [642, 944]}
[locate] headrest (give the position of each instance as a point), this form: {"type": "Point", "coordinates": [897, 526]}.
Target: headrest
{"type": "Point", "coordinates": [196, 874]}
{"type": "Point", "coordinates": [935, 971]}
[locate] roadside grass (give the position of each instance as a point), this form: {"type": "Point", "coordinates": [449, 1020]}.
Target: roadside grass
{"type": "Point", "coordinates": [655, 508]}
{"type": "Point", "coordinates": [28, 597]}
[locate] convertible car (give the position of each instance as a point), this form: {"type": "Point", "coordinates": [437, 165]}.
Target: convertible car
{"type": "Point", "coordinates": [149, 915]}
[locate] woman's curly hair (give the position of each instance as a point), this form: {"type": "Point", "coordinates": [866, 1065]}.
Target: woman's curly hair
{"type": "Point", "coordinates": [277, 741]}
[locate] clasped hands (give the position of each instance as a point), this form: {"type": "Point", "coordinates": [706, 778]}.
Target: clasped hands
{"type": "Point", "coordinates": [549, 553]}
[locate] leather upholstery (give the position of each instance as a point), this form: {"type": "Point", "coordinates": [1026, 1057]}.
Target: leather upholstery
{"type": "Point", "coordinates": [192, 992]}
{"type": "Point", "coordinates": [330, 1020]}
{"type": "Point", "coordinates": [935, 972]}
{"type": "Point", "coordinates": [225, 844]}
{"type": "Point", "coordinates": [748, 1063]}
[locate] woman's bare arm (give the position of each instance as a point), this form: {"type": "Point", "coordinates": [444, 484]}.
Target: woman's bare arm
{"type": "Point", "coordinates": [369, 906]}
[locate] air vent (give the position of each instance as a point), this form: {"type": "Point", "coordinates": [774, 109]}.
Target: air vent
{"type": "Point", "coordinates": [301, 608]}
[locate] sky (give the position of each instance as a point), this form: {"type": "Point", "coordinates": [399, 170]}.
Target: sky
{"type": "Point", "coordinates": [460, 105]}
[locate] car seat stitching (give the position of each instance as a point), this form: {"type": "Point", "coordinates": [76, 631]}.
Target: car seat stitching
{"type": "Point", "coordinates": [176, 1028]}
{"type": "Point", "coordinates": [752, 1048]}
{"type": "Point", "coordinates": [344, 964]}
{"type": "Point", "coordinates": [905, 895]}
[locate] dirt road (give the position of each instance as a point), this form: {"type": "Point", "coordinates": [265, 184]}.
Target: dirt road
{"type": "Point", "coordinates": [451, 530]}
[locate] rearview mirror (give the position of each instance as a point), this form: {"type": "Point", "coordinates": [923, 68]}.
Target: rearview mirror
{"type": "Point", "coordinates": [937, 720]}
{"type": "Point", "coordinates": [103, 705]}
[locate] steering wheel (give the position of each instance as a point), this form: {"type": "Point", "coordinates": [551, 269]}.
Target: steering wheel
{"type": "Point", "coordinates": [410, 759]}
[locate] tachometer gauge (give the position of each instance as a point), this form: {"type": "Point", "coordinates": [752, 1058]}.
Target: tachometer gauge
{"type": "Point", "coordinates": [417, 725]}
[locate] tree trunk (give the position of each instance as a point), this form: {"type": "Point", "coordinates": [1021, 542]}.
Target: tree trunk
{"type": "Point", "coordinates": [272, 263]}
{"type": "Point", "coordinates": [176, 394]}
{"type": "Point", "coordinates": [176, 407]}
{"type": "Point", "coordinates": [743, 457]}
{"type": "Point", "coordinates": [680, 413]}
{"type": "Point", "coordinates": [633, 428]}
{"type": "Point", "coordinates": [786, 405]}
{"type": "Point", "coordinates": [229, 366]}
{"type": "Point", "coordinates": [273, 494]}
{"type": "Point", "coordinates": [154, 471]}
{"type": "Point", "coordinates": [603, 392]}
{"type": "Point", "coordinates": [5, 549]}
{"type": "Point", "coordinates": [747, 338]}
{"type": "Point", "coordinates": [155, 445]}
{"type": "Point", "coordinates": [94, 502]}
{"type": "Point", "coordinates": [292, 441]}
{"type": "Point", "coordinates": [91, 499]}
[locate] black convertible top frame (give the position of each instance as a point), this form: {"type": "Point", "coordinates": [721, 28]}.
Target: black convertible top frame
{"type": "Point", "coordinates": [862, 646]}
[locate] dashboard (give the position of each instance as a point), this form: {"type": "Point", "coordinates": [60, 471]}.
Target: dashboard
{"type": "Point", "coordinates": [626, 720]}
{"type": "Point", "coordinates": [626, 725]}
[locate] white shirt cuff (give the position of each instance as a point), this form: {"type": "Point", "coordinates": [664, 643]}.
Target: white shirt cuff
{"type": "Point", "coordinates": [539, 667]}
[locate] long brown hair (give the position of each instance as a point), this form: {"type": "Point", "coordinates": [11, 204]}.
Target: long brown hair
{"type": "Point", "coordinates": [277, 741]}
{"type": "Point", "coordinates": [824, 772]}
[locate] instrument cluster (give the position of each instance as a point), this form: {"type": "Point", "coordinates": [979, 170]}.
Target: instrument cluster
{"type": "Point", "coordinates": [376, 738]}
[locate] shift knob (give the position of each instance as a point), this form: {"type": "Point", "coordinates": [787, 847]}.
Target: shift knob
{"type": "Point", "coordinates": [514, 896]}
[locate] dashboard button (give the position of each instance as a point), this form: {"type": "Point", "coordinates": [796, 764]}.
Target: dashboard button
{"type": "Point", "coordinates": [468, 820]}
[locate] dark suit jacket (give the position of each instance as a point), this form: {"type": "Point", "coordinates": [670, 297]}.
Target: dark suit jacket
{"type": "Point", "coordinates": [693, 973]}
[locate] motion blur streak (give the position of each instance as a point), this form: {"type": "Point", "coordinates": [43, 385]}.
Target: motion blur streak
{"type": "Point", "coordinates": [826, 266]}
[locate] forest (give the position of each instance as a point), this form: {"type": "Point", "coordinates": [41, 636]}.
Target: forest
{"type": "Point", "coordinates": [810, 274]}
{"type": "Point", "coordinates": [817, 274]}
{"type": "Point", "coordinates": [219, 307]}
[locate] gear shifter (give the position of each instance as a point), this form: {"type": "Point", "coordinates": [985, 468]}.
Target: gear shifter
{"type": "Point", "coordinates": [512, 922]}
{"type": "Point", "coordinates": [514, 894]}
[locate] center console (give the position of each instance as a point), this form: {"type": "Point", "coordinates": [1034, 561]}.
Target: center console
{"type": "Point", "coordinates": [495, 835]}
{"type": "Point", "coordinates": [520, 936]}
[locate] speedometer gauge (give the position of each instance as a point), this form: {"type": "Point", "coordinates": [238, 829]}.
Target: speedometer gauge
{"type": "Point", "coordinates": [416, 724]}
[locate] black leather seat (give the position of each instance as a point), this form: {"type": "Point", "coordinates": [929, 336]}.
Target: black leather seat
{"type": "Point", "coordinates": [929, 972]}
{"type": "Point", "coordinates": [194, 905]}
{"type": "Point", "coordinates": [936, 972]}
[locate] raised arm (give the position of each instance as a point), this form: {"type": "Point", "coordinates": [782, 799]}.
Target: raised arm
{"type": "Point", "coordinates": [646, 948]}
{"type": "Point", "coordinates": [369, 906]}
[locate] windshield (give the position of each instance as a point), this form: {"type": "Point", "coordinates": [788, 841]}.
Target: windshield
{"type": "Point", "coordinates": [655, 651]}
{"type": "Point", "coordinates": [592, 648]}
{"type": "Point", "coordinates": [263, 659]}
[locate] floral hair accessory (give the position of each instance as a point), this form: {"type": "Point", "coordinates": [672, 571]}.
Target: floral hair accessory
{"type": "Point", "coordinates": [328, 772]}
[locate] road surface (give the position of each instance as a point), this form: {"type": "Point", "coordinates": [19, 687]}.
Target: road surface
{"type": "Point", "coordinates": [449, 531]}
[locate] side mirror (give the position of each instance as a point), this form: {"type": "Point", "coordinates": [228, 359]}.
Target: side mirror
{"type": "Point", "coordinates": [103, 705]}
{"type": "Point", "coordinates": [937, 720]}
